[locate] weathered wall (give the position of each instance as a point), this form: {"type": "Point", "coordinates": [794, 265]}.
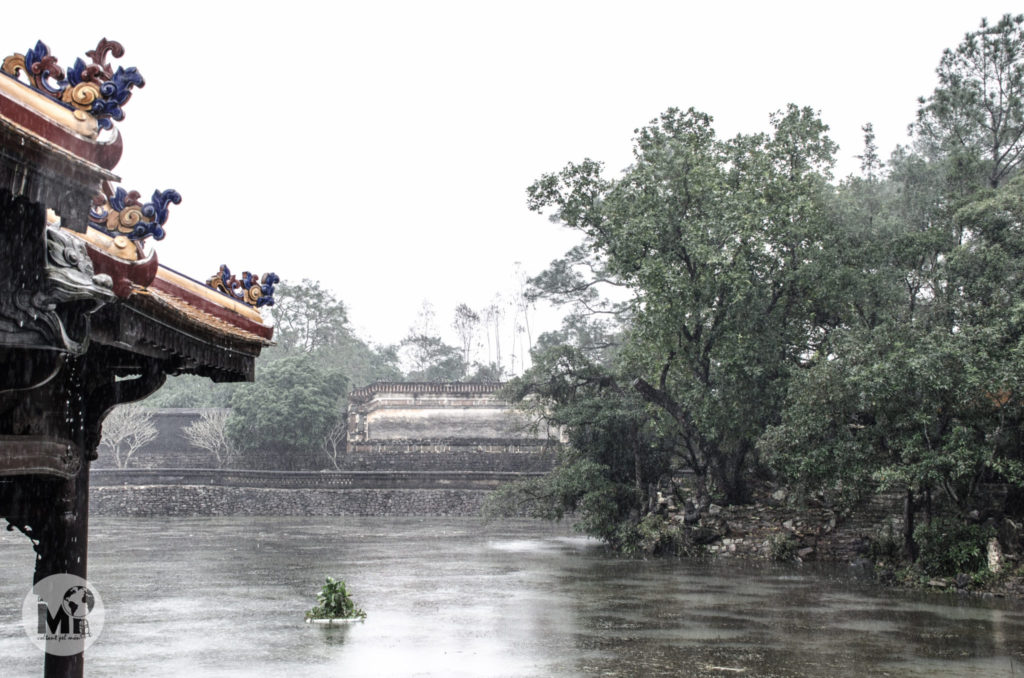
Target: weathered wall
{"type": "Point", "coordinates": [412, 455]}
{"type": "Point", "coordinates": [816, 533]}
{"type": "Point", "coordinates": [171, 450]}
{"type": "Point", "coordinates": [302, 479]}
{"type": "Point", "coordinates": [203, 492]}
{"type": "Point", "coordinates": [440, 419]}
{"type": "Point", "coordinates": [207, 500]}
{"type": "Point", "coordinates": [445, 411]}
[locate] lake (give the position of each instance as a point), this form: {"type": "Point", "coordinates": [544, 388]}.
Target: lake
{"type": "Point", "coordinates": [449, 597]}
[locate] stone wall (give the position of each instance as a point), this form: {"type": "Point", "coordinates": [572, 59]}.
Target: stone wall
{"type": "Point", "coordinates": [213, 492]}
{"type": "Point", "coordinates": [448, 472]}
{"type": "Point", "coordinates": [816, 534]}
{"type": "Point", "coordinates": [757, 531]}
{"type": "Point", "coordinates": [429, 455]}
{"type": "Point", "coordinates": [208, 500]}
{"type": "Point", "coordinates": [301, 480]}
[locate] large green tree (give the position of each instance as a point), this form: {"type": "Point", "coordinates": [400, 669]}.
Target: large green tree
{"type": "Point", "coordinates": [917, 388]}
{"type": "Point", "coordinates": [721, 245]}
{"type": "Point", "coordinates": [281, 420]}
{"type": "Point", "coordinates": [925, 397]}
{"type": "Point", "coordinates": [307, 317]}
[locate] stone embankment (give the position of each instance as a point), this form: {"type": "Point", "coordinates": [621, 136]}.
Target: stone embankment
{"type": "Point", "coordinates": [213, 492]}
{"type": "Point", "coordinates": [774, 530]}
{"type": "Point", "coordinates": [771, 528]}
{"type": "Point", "coordinates": [209, 500]}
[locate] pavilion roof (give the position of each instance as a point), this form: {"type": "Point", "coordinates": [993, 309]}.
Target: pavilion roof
{"type": "Point", "coordinates": [58, 147]}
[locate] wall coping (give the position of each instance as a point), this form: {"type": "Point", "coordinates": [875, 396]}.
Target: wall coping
{"type": "Point", "coordinates": [366, 393]}
{"type": "Point", "coordinates": [307, 479]}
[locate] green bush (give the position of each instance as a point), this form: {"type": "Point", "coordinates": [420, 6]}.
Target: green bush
{"type": "Point", "coordinates": [333, 602]}
{"type": "Point", "coordinates": [656, 535]}
{"type": "Point", "coordinates": [783, 547]}
{"type": "Point", "coordinates": [947, 547]}
{"type": "Point", "coordinates": [885, 545]}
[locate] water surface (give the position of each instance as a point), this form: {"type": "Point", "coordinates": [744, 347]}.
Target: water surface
{"type": "Point", "coordinates": [451, 597]}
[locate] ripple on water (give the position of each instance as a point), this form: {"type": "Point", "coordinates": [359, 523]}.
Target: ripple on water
{"type": "Point", "coordinates": [224, 597]}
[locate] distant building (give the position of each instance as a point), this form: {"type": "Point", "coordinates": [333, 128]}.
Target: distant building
{"type": "Point", "coordinates": [448, 411]}
{"type": "Point", "coordinates": [399, 427]}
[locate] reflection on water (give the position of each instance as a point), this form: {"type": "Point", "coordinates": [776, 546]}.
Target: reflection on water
{"type": "Point", "coordinates": [449, 597]}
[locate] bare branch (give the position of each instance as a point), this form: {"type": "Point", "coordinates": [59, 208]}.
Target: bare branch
{"type": "Point", "coordinates": [209, 433]}
{"type": "Point", "coordinates": [335, 441]}
{"type": "Point", "coordinates": [127, 429]}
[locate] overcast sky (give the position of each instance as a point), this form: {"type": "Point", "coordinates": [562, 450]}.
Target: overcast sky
{"type": "Point", "coordinates": [384, 148]}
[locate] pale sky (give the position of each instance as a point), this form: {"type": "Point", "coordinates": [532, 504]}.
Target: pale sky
{"type": "Point", "coordinates": [384, 148]}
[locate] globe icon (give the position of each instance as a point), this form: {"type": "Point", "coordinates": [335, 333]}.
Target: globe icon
{"type": "Point", "coordinates": [78, 602]}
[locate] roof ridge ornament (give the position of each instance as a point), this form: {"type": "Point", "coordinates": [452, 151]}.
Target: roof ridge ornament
{"type": "Point", "coordinates": [123, 213]}
{"type": "Point", "coordinates": [94, 88]}
{"type": "Point", "coordinates": [251, 289]}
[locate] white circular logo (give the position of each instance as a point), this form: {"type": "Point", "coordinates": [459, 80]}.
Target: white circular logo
{"type": "Point", "coordinates": [62, 615]}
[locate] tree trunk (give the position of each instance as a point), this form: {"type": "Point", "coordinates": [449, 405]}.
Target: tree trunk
{"type": "Point", "coordinates": [638, 473]}
{"type": "Point", "coordinates": [909, 545]}
{"type": "Point", "coordinates": [729, 465]}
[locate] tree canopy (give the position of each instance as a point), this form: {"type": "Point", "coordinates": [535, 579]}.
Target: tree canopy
{"type": "Point", "coordinates": [720, 244]}
{"type": "Point", "coordinates": [975, 116]}
{"type": "Point", "coordinates": [844, 338]}
{"type": "Point", "coordinates": [281, 420]}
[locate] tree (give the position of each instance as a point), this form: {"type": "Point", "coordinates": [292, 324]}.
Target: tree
{"type": "Point", "coordinates": [360, 363]}
{"type": "Point", "coordinates": [465, 324]}
{"type": "Point", "coordinates": [426, 355]}
{"type": "Point", "coordinates": [191, 391]}
{"type": "Point", "coordinates": [280, 421]}
{"type": "Point", "coordinates": [431, 359]}
{"type": "Point", "coordinates": [525, 304]}
{"type": "Point", "coordinates": [615, 457]}
{"type": "Point", "coordinates": [127, 429]}
{"type": "Point", "coordinates": [921, 394]}
{"type": "Point", "coordinates": [209, 433]}
{"type": "Point", "coordinates": [308, 320]}
{"type": "Point", "coordinates": [335, 440]}
{"type": "Point", "coordinates": [494, 314]}
{"type": "Point", "coordinates": [485, 373]}
{"type": "Point", "coordinates": [975, 116]}
{"type": "Point", "coordinates": [721, 245]}
{"type": "Point", "coordinates": [307, 317]}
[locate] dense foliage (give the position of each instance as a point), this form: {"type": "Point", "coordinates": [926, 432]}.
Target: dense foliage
{"type": "Point", "coordinates": [283, 418]}
{"type": "Point", "coordinates": [720, 243]}
{"type": "Point", "coordinates": [293, 416]}
{"type": "Point", "coordinates": [842, 338]}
